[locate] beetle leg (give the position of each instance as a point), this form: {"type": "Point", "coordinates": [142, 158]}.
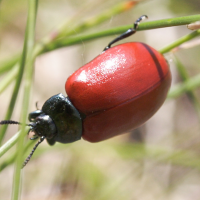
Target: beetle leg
{"type": "Point", "coordinates": [128, 33]}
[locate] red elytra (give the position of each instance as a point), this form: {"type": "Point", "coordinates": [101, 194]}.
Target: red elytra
{"type": "Point", "coordinates": [119, 90]}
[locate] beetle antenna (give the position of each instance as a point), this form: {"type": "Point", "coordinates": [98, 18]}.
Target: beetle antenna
{"type": "Point", "coordinates": [128, 33]}
{"type": "Point", "coordinates": [4, 122]}
{"type": "Point", "coordinates": [9, 122]}
{"type": "Point", "coordinates": [34, 148]}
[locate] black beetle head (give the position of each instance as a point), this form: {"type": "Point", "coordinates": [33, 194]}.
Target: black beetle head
{"type": "Point", "coordinates": [43, 125]}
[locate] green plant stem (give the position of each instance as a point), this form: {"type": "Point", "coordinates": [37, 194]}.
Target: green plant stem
{"type": "Point", "coordinates": [28, 49]}
{"type": "Point", "coordinates": [9, 144]}
{"type": "Point", "coordinates": [19, 75]}
{"type": "Point", "coordinates": [87, 37]}
{"type": "Point", "coordinates": [180, 41]}
{"type": "Point", "coordinates": [178, 21]}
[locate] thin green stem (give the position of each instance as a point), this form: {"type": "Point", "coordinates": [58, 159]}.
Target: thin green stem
{"type": "Point", "coordinates": [88, 37]}
{"type": "Point", "coordinates": [178, 21]}
{"type": "Point", "coordinates": [15, 90]}
{"type": "Point", "coordinates": [180, 41]}
{"type": "Point", "coordinates": [9, 144]}
{"type": "Point", "coordinates": [28, 49]}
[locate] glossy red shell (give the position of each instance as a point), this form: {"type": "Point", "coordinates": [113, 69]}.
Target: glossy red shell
{"type": "Point", "coordinates": [119, 90]}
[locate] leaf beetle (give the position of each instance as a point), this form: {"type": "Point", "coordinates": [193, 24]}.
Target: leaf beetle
{"type": "Point", "coordinates": [114, 93]}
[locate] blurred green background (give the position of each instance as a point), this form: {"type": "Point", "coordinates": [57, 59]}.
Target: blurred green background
{"type": "Point", "coordinates": [160, 160]}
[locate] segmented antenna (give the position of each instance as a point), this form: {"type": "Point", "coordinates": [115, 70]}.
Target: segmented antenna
{"type": "Point", "coordinates": [9, 122]}
{"type": "Point", "coordinates": [34, 148]}
{"type": "Point", "coordinates": [4, 122]}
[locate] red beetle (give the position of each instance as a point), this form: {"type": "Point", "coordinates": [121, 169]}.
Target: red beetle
{"type": "Point", "coordinates": [114, 93]}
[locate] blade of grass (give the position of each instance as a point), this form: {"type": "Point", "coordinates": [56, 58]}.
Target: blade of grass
{"type": "Point", "coordinates": [28, 48]}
